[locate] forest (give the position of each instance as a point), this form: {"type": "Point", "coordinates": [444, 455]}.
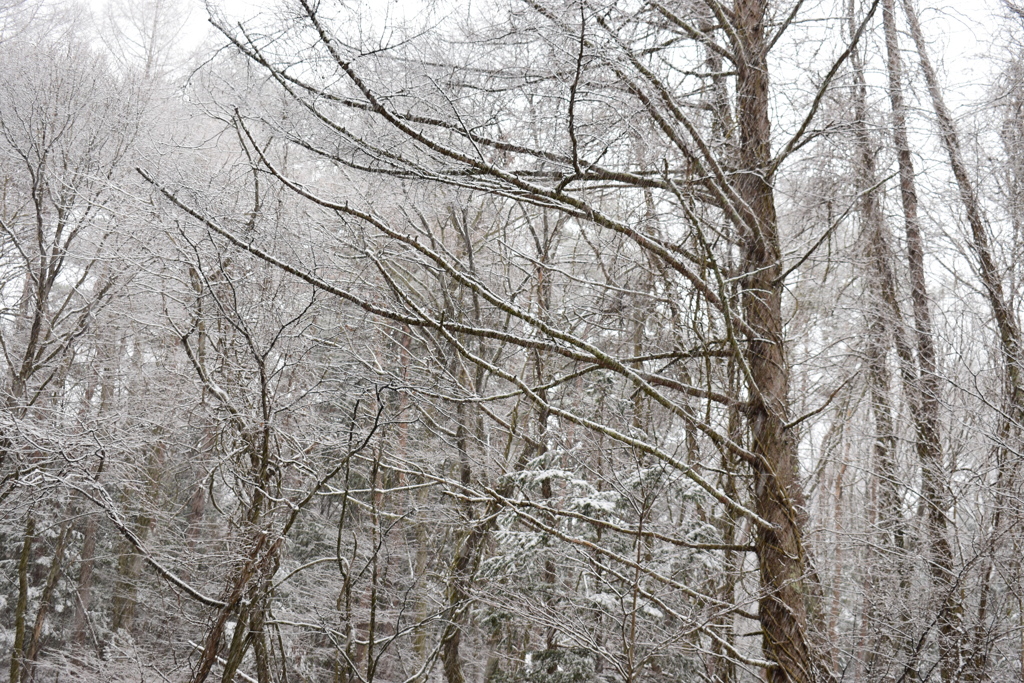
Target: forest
{"type": "Point", "coordinates": [517, 341]}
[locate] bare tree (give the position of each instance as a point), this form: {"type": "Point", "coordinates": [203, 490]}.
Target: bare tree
{"type": "Point", "coordinates": [709, 205]}
{"type": "Point", "coordinates": [61, 151]}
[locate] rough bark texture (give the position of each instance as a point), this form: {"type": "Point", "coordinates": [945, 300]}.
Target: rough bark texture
{"type": "Point", "coordinates": [784, 573]}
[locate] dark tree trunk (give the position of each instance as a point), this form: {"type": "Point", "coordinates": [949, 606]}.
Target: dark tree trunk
{"type": "Point", "coordinates": [18, 651]}
{"type": "Point", "coordinates": [785, 581]}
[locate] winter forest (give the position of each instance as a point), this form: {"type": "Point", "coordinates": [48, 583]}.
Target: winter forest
{"type": "Point", "coordinates": [512, 341]}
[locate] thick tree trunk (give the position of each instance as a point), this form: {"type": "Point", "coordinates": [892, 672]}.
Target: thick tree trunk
{"type": "Point", "coordinates": [925, 391]}
{"type": "Point", "coordinates": [785, 581]}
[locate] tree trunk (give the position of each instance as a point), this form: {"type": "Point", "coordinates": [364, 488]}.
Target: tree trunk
{"type": "Point", "coordinates": [85, 575]}
{"type": "Point", "coordinates": [46, 599]}
{"type": "Point", "coordinates": [1002, 312]}
{"type": "Point", "coordinates": [464, 565]}
{"type": "Point", "coordinates": [129, 564]}
{"type": "Point", "coordinates": [886, 323]}
{"type": "Point", "coordinates": [785, 583]}
{"type": "Point", "coordinates": [1009, 334]}
{"type": "Point", "coordinates": [18, 650]}
{"type": "Point", "coordinates": [256, 562]}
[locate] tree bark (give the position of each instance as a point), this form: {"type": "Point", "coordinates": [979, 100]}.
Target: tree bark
{"type": "Point", "coordinates": [18, 650]}
{"type": "Point", "coordinates": [785, 583]}
{"type": "Point", "coordinates": [46, 600]}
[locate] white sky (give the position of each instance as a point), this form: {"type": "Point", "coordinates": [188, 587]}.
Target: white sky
{"type": "Point", "coordinates": [963, 34]}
